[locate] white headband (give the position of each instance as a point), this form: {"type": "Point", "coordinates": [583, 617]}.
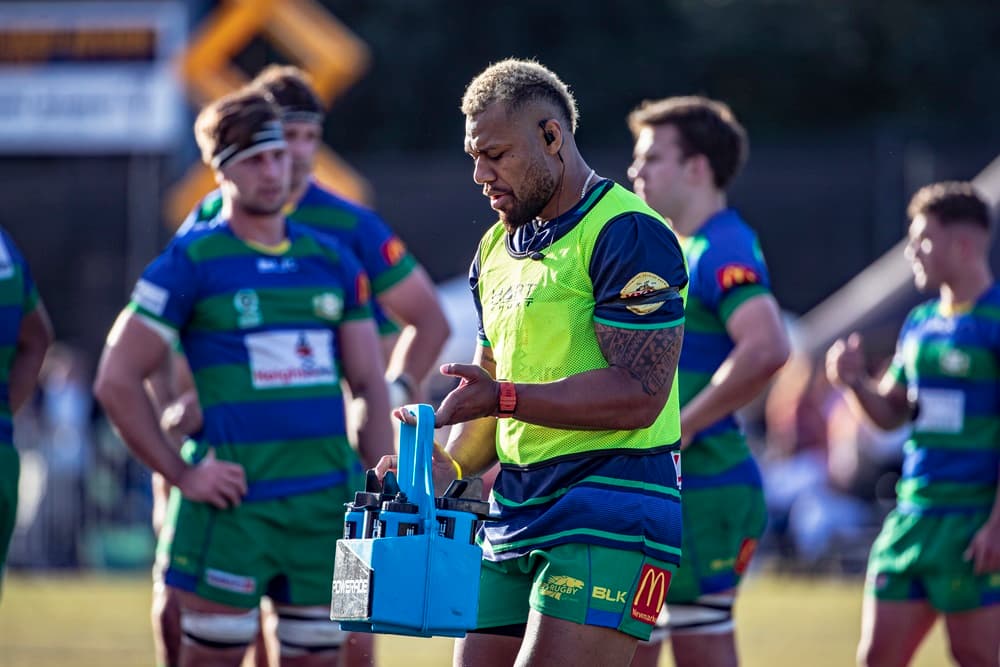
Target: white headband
{"type": "Point", "coordinates": [270, 136]}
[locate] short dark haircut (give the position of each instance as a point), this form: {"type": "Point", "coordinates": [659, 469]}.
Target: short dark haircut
{"type": "Point", "coordinates": [232, 120]}
{"type": "Point", "coordinates": [951, 202]}
{"type": "Point", "coordinates": [517, 83]}
{"type": "Point", "coordinates": [290, 88]}
{"type": "Point", "coordinates": [704, 127]}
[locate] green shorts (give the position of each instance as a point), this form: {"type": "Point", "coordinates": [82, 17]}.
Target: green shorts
{"type": "Point", "coordinates": [582, 583]}
{"type": "Point", "coordinates": [10, 470]}
{"type": "Point", "coordinates": [721, 528]}
{"type": "Point", "coordinates": [282, 548]}
{"type": "Point", "coordinates": [919, 557]}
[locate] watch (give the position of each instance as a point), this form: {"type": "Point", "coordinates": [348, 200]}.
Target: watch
{"type": "Point", "coordinates": [508, 399]}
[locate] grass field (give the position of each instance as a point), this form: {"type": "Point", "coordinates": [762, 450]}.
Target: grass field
{"type": "Point", "coordinates": [103, 622]}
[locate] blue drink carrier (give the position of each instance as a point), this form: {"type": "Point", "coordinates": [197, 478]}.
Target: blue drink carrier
{"type": "Point", "coordinates": [408, 563]}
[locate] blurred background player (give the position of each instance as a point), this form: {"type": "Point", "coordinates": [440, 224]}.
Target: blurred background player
{"type": "Point", "coordinates": [25, 335]}
{"type": "Point", "coordinates": [687, 152]}
{"type": "Point", "coordinates": [401, 287]}
{"type": "Point", "coordinates": [403, 291]}
{"type": "Point", "coordinates": [939, 550]}
{"type": "Point", "coordinates": [270, 316]}
{"type": "Point", "coordinates": [585, 420]}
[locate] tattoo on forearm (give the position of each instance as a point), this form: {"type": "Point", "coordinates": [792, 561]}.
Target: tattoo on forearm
{"type": "Point", "coordinates": [649, 355]}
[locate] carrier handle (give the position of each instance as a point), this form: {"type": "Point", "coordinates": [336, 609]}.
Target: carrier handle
{"type": "Point", "coordinates": [416, 448]}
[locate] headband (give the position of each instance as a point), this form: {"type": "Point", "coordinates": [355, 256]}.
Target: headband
{"type": "Point", "coordinates": [269, 136]}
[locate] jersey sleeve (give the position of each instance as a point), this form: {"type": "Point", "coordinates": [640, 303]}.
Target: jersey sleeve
{"type": "Point", "coordinates": [11, 257]}
{"type": "Point", "coordinates": [731, 272]}
{"type": "Point", "coordinates": [383, 254]}
{"type": "Point", "coordinates": [207, 210]}
{"type": "Point", "coordinates": [638, 273]}
{"type": "Point", "coordinates": [897, 367]}
{"type": "Point", "coordinates": [474, 286]}
{"type": "Point", "coordinates": [357, 288]}
{"type": "Point", "coordinates": [166, 292]}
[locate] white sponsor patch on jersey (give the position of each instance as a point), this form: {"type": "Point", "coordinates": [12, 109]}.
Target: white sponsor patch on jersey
{"type": "Point", "coordinates": [941, 411]}
{"type": "Point", "coordinates": [150, 297]}
{"type": "Point", "coordinates": [291, 358]}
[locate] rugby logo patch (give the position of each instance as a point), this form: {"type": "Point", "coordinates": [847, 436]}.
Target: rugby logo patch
{"type": "Point", "coordinates": [643, 284]}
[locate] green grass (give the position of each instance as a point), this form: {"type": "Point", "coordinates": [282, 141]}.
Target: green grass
{"type": "Point", "coordinates": [101, 621]}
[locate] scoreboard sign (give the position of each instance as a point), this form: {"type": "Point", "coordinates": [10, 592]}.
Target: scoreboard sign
{"type": "Point", "coordinates": [90, 77]}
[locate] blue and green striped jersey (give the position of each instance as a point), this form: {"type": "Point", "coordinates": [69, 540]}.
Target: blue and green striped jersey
{"type": "Point", "coordinates": [261, 333]}
{"type": "Point", "coordinates": [382, 254]}
{"type": "Point", "coordinates": [18, 297]}
{"type": "Point", "coordinates": [727, 268]}
{"type": "Point", "coordinates": [950, 365]}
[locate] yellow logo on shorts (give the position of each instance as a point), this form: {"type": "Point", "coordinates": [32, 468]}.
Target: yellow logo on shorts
{"type": "Point", "coordinates": [558, 585]}
{"type": "Point", "coordinates": [608, 594]}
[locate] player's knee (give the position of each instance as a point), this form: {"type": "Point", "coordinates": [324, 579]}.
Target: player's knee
{"type": "Point", "coordinates": [219, 631]}
{"type": "Point", "coordinates": [308, 630]}
{"type": "Point", "coordinates": [707, 615]}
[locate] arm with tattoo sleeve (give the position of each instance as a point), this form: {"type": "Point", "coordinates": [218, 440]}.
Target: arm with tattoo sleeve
{"type": "Point", "coordinates": [629, 394]}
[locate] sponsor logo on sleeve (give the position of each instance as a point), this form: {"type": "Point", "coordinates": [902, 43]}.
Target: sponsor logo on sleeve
{"type": "Point", "coordinates": [150, 297]}
{"type": "Point", "coordinates": [362, 288]}
{"type": "Point", "coordinates": [393, 250]}
{"type": "Point", "coordinates": [734, 275]}
{"type": "Point", "coordinates": [643, 284]}
{"type": "Point", "coordinates": [651, 593]}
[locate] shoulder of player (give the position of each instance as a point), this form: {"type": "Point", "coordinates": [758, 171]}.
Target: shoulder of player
{"type": "Point", "coordinates": [325, 241]}
{"type": "Point", "coordinates": [729, 228]}
{"type": "Point", "coordinates": [317, 195]}
{"type": "Point", "coordinates": [635, 225]}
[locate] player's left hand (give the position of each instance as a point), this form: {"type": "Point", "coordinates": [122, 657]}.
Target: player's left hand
{"type": "Point", "coordinates": [476, 396]}
{"type": "Point", "coordinates": [984, 549]}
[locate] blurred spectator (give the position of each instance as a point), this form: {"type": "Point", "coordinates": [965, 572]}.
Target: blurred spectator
{"type": "Point", "coordinates": [829, 477]}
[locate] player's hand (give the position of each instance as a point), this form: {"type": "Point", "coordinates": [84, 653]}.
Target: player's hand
{"type": "Point", "coordinates": [443, 468]}
{"type": "Point", "coordinates": [845, 362]}
{"type": "Point", "coordinates": [218, 483]}
{"type": "Point", "coordinates": [476, 396]}
{"type": "Point", "coordinates": [984, 549]}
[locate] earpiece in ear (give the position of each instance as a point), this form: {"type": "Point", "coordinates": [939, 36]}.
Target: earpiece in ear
{"type": "Point", "coordinates": [546, 134]}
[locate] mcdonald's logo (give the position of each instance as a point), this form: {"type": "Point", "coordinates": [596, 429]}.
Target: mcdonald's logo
{"type": "Point", "coordinates": [393, 250]}
{"type": "Point", "coordinates": [651, 593]}
{"type": "Point", "coordinates": [734, 275]}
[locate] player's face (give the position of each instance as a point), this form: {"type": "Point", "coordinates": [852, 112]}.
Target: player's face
{"type": "Point", "coordinates": [303, 140]}
{"type": "Point", "coordinates": [510, 163]}
{"type": "Point", "coordinates": [258, 185]}
{"type": "Point", "coordinates": [928, 248]}
{"type": "Point", "coordinates": [658, 170]}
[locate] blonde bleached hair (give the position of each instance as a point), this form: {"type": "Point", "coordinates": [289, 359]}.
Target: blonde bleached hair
{"type": "Point", "coordinates": [517, 83]}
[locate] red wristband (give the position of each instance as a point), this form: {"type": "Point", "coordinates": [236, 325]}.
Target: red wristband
{"type": "Point", "coordinates": [508, 399]}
